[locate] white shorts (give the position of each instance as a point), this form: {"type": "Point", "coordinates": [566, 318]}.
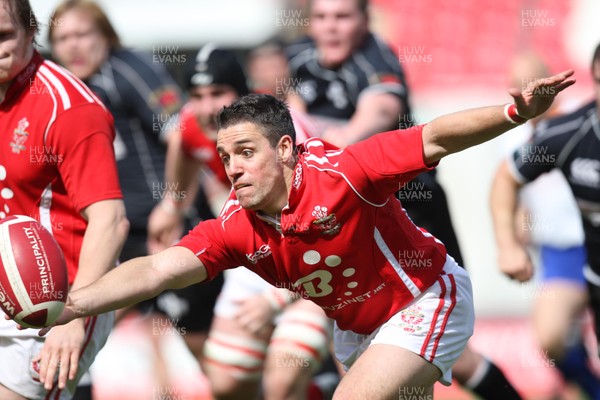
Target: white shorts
{"type": "Point", "coordinates": [240, 283]}
{"type": "Point", "coordinates": [436, 325]}
{"type": "Point", "coordinates": [21, 347]}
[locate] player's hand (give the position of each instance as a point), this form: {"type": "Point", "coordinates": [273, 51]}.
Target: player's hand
{"type": "Point", "coordinates": [164, 229]}
{"type": "Point", "coordinates": [514, 262]}
{"type": "Point", "coordinates": [255, 314]}
{"type": "Point", "coordinates": [538, 95]}
{"type": "Point", "coordinates": [60, 354]}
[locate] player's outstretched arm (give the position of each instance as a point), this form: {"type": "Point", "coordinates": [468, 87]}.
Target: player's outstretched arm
{"type": "Point", "coordinates": [133, 281]}
{"type": "Point", "coordinates": [455, 132]}
{"type": "Point", "coordinates": [513, 258]}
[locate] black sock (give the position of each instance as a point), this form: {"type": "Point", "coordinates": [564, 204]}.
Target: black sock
{"type": "Point", "coordinates": [494, 385]}
{"type": "Point", "coordinates": [83, 392]}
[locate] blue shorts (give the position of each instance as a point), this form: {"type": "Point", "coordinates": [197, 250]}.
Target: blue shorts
{"type": "Point", "coordinates": [564, 264]}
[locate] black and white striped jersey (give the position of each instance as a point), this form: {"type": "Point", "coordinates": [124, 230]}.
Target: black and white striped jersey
{"type": "Point", "coordinates": [572, 144]}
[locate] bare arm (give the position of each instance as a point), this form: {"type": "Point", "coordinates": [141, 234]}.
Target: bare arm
{"type": "Point", "coordinates": [133, 281]}
{"type": "Point", "coordinates": [458, 131]}
{"type": "Point", "coordinates": [374, 113]}
{"type": "Point", "coordinates": [513, 258]}
{"type": "Point", "coordinates": [104, 236]}
{"type": "Point", "coordinates": [165, 224]}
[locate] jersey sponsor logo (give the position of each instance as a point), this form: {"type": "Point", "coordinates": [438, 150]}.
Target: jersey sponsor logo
{"type": "Point", "coordinates": [586, 172]}
{"type": "Point", "coordinates": [263, 252]}
{"type": "Point", "coordinates": [20, 136]}
{"type": "Point", "coordinates": [325, 222]}
{"type": "Point", "coordinates": [412, 319]}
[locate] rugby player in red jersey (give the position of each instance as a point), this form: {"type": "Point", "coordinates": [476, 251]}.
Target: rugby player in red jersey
{"type": "Point", "coordinates": [329, 226]}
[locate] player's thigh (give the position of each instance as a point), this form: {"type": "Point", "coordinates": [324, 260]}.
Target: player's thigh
{"type": "Point", "coordinates": [561, 298]}
{"type": "Point", "coordinates": [557, 307]}
{"type": "Point", "coordinates": [6, 394]}
{"type": "Point", "coordinates": [388, 372]}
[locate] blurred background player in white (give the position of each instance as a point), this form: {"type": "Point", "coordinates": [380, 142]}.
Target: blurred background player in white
{"type": "Point", "coordinates": [45, 111]}
{"type": "Point", "coordinates": [257, 331]}
{"type": "Point", "coordinates": [551, 223]}
{"type": "Point", "coordinates": [352, 85]}
{"type": "Point", "coordinates": [142, 97]}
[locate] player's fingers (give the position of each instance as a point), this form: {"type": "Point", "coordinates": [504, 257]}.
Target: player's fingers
{"type": "Point", "coordinates": [565, 84]}
{"type": "Point", "coordinates": [63, 370]}
{"type": "Point", "coordinates": [74, 365]}
{"type": "Point", "coordinates": [52, 364]}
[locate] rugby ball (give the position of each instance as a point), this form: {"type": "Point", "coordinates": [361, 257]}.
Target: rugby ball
{"type": "Point", "coordinates": [33, 278]}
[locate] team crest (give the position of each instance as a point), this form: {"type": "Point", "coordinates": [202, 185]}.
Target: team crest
{"type": "Point", "coordinates": [412, 319]}
{"type": "Point", "coordinates": [325, 222]}
{"type": "Point", "coordinates": [20, 135]}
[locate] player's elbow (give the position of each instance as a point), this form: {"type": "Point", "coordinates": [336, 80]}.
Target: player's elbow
{"type": "Point", "coordinates": [434, 147]}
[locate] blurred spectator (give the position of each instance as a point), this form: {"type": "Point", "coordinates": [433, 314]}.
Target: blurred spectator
{"type": "Point", "coordinates": [352, 84]}
{"type": "Point", "coordinates": [257, 328]}
{"type": "Point", "coordinates": [142, 97]}
{"type": "Point", "coordinates": [551, 223]}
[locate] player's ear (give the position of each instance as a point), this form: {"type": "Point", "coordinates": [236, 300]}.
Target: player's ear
{"type": "Point", "coordinates": [285, 149]}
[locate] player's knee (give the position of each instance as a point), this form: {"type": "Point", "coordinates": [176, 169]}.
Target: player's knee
{"type": "Point", "coordinates": [233, 364]}
{"type": "Point", "coordinates": [553, 343]}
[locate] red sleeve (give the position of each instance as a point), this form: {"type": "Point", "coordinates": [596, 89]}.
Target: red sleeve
{"type": "Point", "coordinates": [189, 134]}
{"type": "Point", "coordinates": [206, 241]}
{"type": "Point", "coordinates": [390, 159]}
{"type": "Point", "coordinates": [83, 136]}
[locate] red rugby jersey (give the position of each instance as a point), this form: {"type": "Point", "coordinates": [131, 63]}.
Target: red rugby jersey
{"type": "Point", "coordinates": [56, 153]}
{"type": "Point", "coordinates": [195, 144]}
{"type": "Point", "coordinates": [343, 241]}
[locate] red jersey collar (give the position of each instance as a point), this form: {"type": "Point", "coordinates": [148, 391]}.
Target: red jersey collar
{"type": "Point", "coordinates": [23, 79]}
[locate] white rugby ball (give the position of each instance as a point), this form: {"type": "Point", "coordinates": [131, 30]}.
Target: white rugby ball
{"type": "Point", "coordinates": [33, 278]}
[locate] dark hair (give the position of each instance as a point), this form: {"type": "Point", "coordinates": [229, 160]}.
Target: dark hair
{"type": "Point", "coordinates": [596, 57]}
{"type": "Point", "coordinates": [271, 115]}
{"type": "Point", "coordinates": [21, 14]}
{"type": "Point", "coordinates": [363, 6]}
{"type": "Point", "coordinates": [98, 16]}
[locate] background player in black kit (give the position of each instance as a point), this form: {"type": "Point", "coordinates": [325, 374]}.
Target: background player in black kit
{"type": "Point", "coordinates": [570, 143]}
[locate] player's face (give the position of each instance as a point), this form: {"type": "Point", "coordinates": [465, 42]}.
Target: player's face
{"type": "Point", "coordinates": [269, 73]}
{"type": "Point", "coordinates": [206, 102]}
{"type": "Point", "coordinates": [78, 44]}
{"type": "Point", "coordinates": [16, 49]}
{"type": "Point", "coordinates": [255, 169]}
{"type": "Point", "coordinates": [338, 28]}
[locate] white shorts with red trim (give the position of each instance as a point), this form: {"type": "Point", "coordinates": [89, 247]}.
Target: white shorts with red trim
{"type": "Point", "coordinates": [21, 374]}
{"type": "Point", "coordinates": [436, 325]}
